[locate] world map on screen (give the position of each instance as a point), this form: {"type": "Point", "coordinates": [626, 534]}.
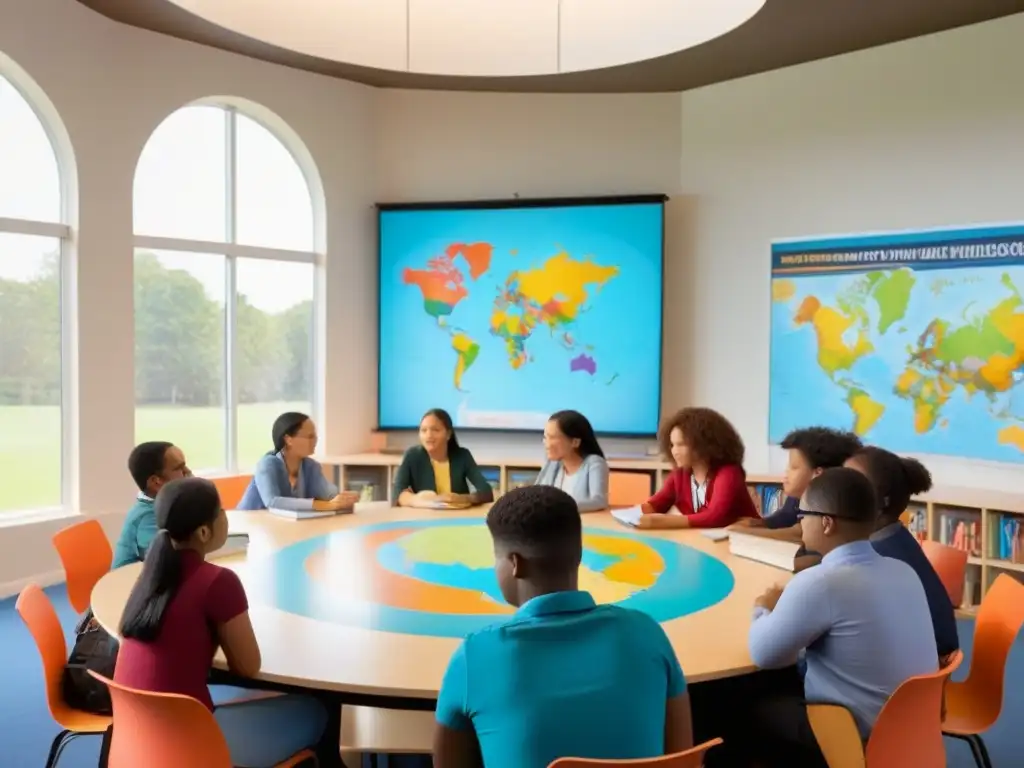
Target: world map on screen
{"type": "Point", "coordinates": [507, 327]}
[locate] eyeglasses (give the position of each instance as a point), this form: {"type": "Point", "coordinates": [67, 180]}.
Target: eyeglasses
{"type": "Point", "coordinates": [802, 513]}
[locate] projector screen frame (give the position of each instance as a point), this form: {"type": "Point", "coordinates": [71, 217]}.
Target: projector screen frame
{"type": "Point", "coordinates": [514, 203]}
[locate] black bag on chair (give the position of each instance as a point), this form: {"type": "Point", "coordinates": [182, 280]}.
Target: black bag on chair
{"type": "Point", "coordinates": [96, 650]}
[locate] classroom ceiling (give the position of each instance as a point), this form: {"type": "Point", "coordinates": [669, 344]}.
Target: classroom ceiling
{"type": "Point", "coordinates": [783, 33]}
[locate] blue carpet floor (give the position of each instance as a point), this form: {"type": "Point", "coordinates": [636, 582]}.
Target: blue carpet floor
{"type": "Point", "coordinates": [27, 728]}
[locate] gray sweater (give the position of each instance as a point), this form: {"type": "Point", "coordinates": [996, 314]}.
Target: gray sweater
{"type": "Point", "coordinates": [588, 485]}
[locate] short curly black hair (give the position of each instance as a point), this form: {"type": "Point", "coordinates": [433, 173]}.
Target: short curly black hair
{"type": "Point", "coordinates": [541, 523]}
{"type": "Point", "coordinates": [823, 447]}
{"type": "Point", "coordinates": [707, 433]}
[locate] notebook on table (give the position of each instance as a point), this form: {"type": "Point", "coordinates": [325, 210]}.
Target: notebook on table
{"type": "Point", "coordinates": [236, 544]}
{"type": "Point", "coordinates": [776, 552]}
{"type": "Point", "coordinates": [299, 514]}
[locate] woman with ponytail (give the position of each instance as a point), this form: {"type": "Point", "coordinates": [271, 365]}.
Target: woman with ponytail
{"type": "Point", "coordinates": [896, 480]}
{"type": "Point", "coordinates": [183, 608]}
{"type": "Point", "coordinates": [288, 477]}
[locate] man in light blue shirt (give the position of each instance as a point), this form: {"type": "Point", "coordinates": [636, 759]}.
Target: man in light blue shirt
{"type": "Point", "coordinates": [861, 618]}
{"type": "Point", "coordinates": [564, 677]}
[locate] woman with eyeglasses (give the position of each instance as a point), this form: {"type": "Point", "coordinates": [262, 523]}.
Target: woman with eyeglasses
{"type": "Point", "coordinates": [288, 477]}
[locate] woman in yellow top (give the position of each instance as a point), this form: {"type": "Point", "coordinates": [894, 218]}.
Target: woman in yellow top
{"type": "Point", "coordinates": [439, 468]}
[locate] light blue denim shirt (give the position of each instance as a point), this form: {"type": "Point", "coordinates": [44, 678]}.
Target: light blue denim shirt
{"type": "Point", "coordinates": [270, 486]}
{"type": "Point", "coordinates": [588, 485]}
{"type": "Point", "coordinates": [864, 622]}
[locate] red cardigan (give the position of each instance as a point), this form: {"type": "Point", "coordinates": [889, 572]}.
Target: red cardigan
{"type": "Point", "coordinates": [726, 501]}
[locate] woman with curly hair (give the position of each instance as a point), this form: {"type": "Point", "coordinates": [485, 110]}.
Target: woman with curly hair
{"type": "Point", "coordinates": [708, 484]}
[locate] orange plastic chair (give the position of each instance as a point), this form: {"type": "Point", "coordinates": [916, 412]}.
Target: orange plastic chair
{"type": "Point", "coordinates": [951, 565]}
{"type": "Point", "coordinates": [86, 556]}
{"type": "Point", "coordinates": [691, 758]}
{"type": "Point", "coordinates": [39, 616]}
{"type": "Point", "coordinates": [908, 731]}
{"type": "Point", "coordinates": [974, 705]}
{"type": "Point", "coordinates": [148, 730]}
{"type": "Point", "coordinates": [231, 489]}
{"type": "Point", "coordinates": [627, 489]}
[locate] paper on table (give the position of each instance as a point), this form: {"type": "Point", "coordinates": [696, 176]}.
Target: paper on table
{"type": "Point", "coordinates": [716, 534]}
{"type": "Point", "coordinates": [629, 516]}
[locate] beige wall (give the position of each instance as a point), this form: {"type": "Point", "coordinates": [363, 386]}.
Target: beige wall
{"type": "Point", "coordinates": [918, 134]}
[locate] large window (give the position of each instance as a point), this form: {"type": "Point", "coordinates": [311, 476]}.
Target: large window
{"type": "Point", "coordinates": [224, 286]}
{"type": "Point", "coordinates": [31, 236]}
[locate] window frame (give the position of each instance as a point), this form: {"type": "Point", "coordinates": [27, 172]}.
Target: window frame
{"type": "Point", "coordinates": [232, 251]}
{"type": "Point", "coordinates": [61, 232]}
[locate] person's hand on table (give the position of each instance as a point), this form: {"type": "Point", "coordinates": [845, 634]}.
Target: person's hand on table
{"type": "Point", "coordinates": [747, 522]}
{"type": "Point", "coordinates": [345, 500]}
{"type": "Point", "coordinates": [648, 520]}
{"type": "Point", "coordinates": [456, 498]}
{"type": "Point", "coordinates": [770, 598]}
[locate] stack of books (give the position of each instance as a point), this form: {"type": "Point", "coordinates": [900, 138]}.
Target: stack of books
{"type": "Point", "coordinates": [961, 530]}
{"type": "Point", "coordinates": [1009, 538]}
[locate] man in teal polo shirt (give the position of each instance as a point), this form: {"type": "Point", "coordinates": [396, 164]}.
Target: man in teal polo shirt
{"type": "Point", "coordinates": [152, 465]}
{"type": "Point", "coordinates": [564, 677]}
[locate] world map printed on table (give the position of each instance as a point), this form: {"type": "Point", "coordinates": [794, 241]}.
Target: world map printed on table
{"type": "Point", "coordinates": [437, 577]}
{"type": "Point", "coordinates": [518, 322]}
{"type": "Point", "coordinates": [914, 341]}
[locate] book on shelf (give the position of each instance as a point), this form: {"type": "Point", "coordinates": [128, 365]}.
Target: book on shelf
{"type": "Point", "coordinates": [770, 551]}
{"type": "Point", "coordinates": [918, 522]}
{"type": "Point", "coordinates": [1009, 538]}
{"type": "Point", "coordinates": [961, 530]}
{"type": "Point", "coordinates": [767, 497]}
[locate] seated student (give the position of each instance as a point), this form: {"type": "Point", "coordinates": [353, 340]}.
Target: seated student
{"type": "Point", "coordinates": [152, 465]}
{"type": "Point", "coordinates": [288, 477]}
{"type": "Point", "coordinates": [564, 677]}
{"type": "Point", "coordinates": [861, 620]}
{"type": "Point", "coordinates": [811, 451]}
{"type": "Point", "coordinates": [439, 467]}
{"type": "Point", "coordinates": [575, 462]}
{"type": "Point", "coordinates": [183, 608]}
{"type": "Point", "coordinates": [896, 480]}
{"type": "Point", "coordinates": [708, 484]}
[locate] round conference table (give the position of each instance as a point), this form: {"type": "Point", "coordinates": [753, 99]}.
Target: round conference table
{"type": "Point", "coordinates": [334, 610]}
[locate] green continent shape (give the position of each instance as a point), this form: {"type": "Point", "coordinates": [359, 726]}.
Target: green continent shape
{"type": "Point", "coordinates": [891, 292]}
{"type": "Point", "coordinates": [866, 410]}
{"type": "Point", "coordinates": [468, 545]}
{"type": "Point", "coordinates": [978, 339]}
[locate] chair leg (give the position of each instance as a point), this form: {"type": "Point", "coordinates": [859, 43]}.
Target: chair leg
{"type": "Point", "coordinates": [104, 760]}
{"type": "Point", "coordinates": [978, 750]}
{"type": "Point", "coordinates": [57, 747]}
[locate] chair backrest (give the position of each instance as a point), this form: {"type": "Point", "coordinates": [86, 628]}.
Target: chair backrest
{"type": "Point", "coordinates": [836, 732]}
{"type": "Point", "coordinates": [996, 626]}
{"type": "Point", "coordinates": [950, 564]}
{"type": "Point", "coordinates": [627, 489]}
{"type": "Point", "coordinates": [162, 730]}
{"type": "Point", "coordinates": [86, 556]}
{"type": "Point", "coordinates": [42, 621]}
{"type": "Point", "coordinates": [231, 489]}
{"type": "Point", "coordinates": [908, 730]}
{"type": "Point", "coordinates": [691, 758]}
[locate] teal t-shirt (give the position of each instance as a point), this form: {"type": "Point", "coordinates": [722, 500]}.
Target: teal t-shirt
{"type": "Point", "coordinates": [137, 534]}
{"type": "Point", "coordinates": [563, 678]}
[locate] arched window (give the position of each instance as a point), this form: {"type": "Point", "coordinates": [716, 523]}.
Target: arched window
{"type": "Point", "coordinates": [32, 235]}
{"type": "Point", "coordinates": [225, 272]}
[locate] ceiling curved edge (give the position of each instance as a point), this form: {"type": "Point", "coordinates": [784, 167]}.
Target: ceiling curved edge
{"type": "Point", "coordinates": [473, 38]}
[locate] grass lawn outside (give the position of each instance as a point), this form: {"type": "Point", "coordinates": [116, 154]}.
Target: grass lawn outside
{"type": "Point", "coordinates": [30, 444]}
